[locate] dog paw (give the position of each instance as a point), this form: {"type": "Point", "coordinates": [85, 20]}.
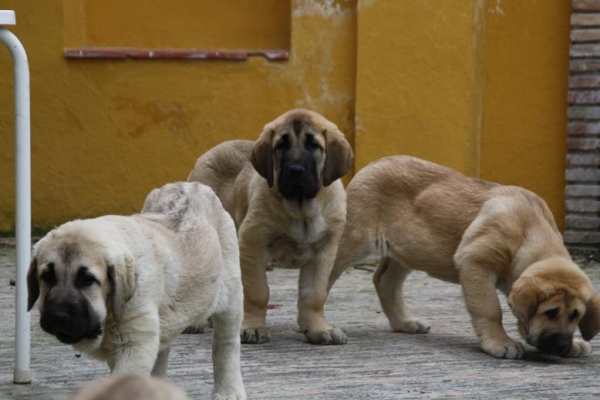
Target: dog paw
{"type": "Point", "coordinates": [412, 326]}
{"type": "Point", "coordinates": [509, 349]}
{"type": "Point", "coordinates": [580, 348]}
{"type": "Point", "coordinates": [325, 337]}
{"type": "Point", "coordinates": [228, 396]}
{"type": "Point", "coordinates": [255, 335]}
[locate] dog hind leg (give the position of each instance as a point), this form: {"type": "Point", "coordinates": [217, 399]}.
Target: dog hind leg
{"type": "Point", "coordinates": [389, 280]}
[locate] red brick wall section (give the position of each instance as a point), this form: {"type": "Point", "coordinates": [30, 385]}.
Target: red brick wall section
{"type": "Point", "coordinates": [582, 227]}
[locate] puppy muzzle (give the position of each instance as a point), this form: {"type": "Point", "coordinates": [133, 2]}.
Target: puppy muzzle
{"type": "Point", "coordinates": [556, 344]}
{"type": "Point", "coordinates": [69, 324]}
{"type": "Point", "coordinates": [298, 181]}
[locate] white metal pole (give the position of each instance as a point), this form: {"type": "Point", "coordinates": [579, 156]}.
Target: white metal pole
{"type": "Point", "coordinates": [22, 372]}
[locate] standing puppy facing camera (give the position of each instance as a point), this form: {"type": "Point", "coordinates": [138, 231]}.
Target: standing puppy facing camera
{"type": "Point", "coordinates": [421, 216]}
{"type": "Point", "coordinates": [122, 288]}
{"type": "Point", "coordinates": [288, 205]}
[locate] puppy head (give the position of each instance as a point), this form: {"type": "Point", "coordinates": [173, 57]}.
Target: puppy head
{"type": "Point", "coordinates": [79, 281]}
{"type": "Point", "coordinates": [551, 300]}
{"type": "Point", "coordinates": [301, 151]}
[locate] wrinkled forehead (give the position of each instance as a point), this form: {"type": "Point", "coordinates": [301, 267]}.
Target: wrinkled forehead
{"type": "Point", "coordinates": [69, 254]}
{"type": "Point", "coordinates": [298, 129]}
{"type": "Point", "coordinates": [564, 299]}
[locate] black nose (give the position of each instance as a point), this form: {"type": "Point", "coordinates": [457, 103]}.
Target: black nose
{"type": "Point", "coordinates": [55, 320]}
{"type": "Point", "coordinates": [296, 170]}
{"type": "Point", "coordinates": [556, 344]}
{"type": "Point", "coordinates": [562, 346]}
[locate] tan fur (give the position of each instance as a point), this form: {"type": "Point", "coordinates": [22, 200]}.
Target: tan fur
{"type": "Point", "coordinates": [244, 175]}
{"type": "Point", "coordinates": [421, 216]}
{"type": "Point", "coordinates": [173, 265]}
{"type": "Point", "coordinates": [129, 387]}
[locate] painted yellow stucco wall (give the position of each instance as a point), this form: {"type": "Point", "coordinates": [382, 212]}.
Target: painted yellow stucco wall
{"type": "Point", "coordinates": [523, 139]}
{"type": "Point", "coordinates": [476, 85]}
{"type": "Point", "coordinates": [105, 132]}
{"type": "Point", "coordinates": [479, 86]}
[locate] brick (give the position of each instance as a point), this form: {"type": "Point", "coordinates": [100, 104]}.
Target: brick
{"type": "Point", "coordinates": [582, 237]}
{"type": "Point", "coordinates": [591, 206]}
{"type": "Point", "coordinates": [583, 159]}
{"type": "Point", "coordinates": [585, 19]}
{"type": "Point", "coordinates": [584, 96]}
{"type": "Point", "coordinates": [589, 252]}
{"type": "Point", "coordinates": [586, 5]}
{"type": "Point", "coordinates": [584, 112]}
{"type": "Point", "coordinates": [584, 128]}
{"type": "Point", "coordinates": [578, 222]}
{"type": "Point", "coordinates": [583, 174]}
{"type": "Point", "coordinates": [585, 35]}
{"type": "Point", "coordinates": [584, 65]}
{"type": "Point", "coordinates": [584, 81]}
{"type": "Point", "coordinates": [583, 144]}
{"type": "Point", "coordinates": [584, 50]}
{"type": "Point", "coordinates": [583, 190]}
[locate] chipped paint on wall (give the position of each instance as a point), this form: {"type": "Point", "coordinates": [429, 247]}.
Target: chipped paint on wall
{"type": "Point", "coordinates": [439, 79]}
{"type": "Point", "coordinates": [107, 131]}
{"type": "Point", "coordinates": [497, 9]}
{"type": "Point", "coordinates": [322, 8]}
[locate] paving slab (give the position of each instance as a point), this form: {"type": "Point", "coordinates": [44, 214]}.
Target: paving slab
{"type": "Point", "coordinates": [376, 363]}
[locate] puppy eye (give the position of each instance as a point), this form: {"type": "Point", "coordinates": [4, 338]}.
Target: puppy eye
{"type": "Point", "coordinates": [552, 313]}
{"type": "Point", "coordinates": [84, 278]}
{"type": "Point", "coordinates": [283, 143]}
{"type": "Point", "coordinates": [574, 315]}
{"type": "Point", "coordinates": [48, 277]}
{"type": "Point", "coordinates": [312, 144]}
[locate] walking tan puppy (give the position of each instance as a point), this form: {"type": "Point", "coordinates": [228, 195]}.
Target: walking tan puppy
{"type": "Point", "coordinates": [122, 288]}
{"type": "Point", "coordinates": [288, 205]}
{"type": "Point", "coordinates": [419, 215]}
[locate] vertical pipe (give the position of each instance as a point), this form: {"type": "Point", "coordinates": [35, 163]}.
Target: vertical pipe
{"type": "Point", "coordinates": [22, 372]}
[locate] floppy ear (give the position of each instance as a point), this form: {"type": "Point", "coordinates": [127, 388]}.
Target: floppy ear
{"type": "Point", "coordinates": [262, 155]}
{"type": "Point", "coordinates": [33, 285]}
{"type": "Point", "coordinates": [523, 299]}
{"type": "Point", "coordinates": [590, 323]}
{"type": "Point", "coordinates": [122, 278]}
{"type": "Point", "coordinates": [338, 156]}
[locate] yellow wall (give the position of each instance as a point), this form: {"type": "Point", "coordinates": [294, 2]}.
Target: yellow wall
{"type": "Point", "coordinates": [477, 85]}
{"type": "Point", "coordinates": [105, 132]}
{"type": "Point", "coordinates": [524, 134]}
{"type": "Point", "coordinates": [205, 24]}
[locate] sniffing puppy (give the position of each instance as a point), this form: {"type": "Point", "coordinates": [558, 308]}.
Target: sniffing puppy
{"type": "Point", "coordinates": [289, 206]}
{"type": "Point", "coordinates": [421, 216]}
{"type": "Point", "coordinates": [122, 288]}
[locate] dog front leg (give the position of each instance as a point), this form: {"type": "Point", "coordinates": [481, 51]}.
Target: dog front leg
{"type": "Point", "coordinates": [226, 354]}
{"type": "Point", "coordinates": [479, 287]}
{"type": "Point", "coordinates": [253, 261]}
{"type": "Point", "coordinates": [313, 282]}
{"type": "Point", "coordinates": [136, 346]}
{"type": "Point", "coordinates": [162, 361]}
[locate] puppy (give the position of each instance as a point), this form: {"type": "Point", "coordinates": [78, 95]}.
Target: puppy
{"type": "Point", "coordinates": [129, 387]}
{"type": "Point", "coordinates": [289, 206]}
{"type": "Point", "coordinates": [122, 288]}
{"type": "Point", "coordinates": [419, 215]}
